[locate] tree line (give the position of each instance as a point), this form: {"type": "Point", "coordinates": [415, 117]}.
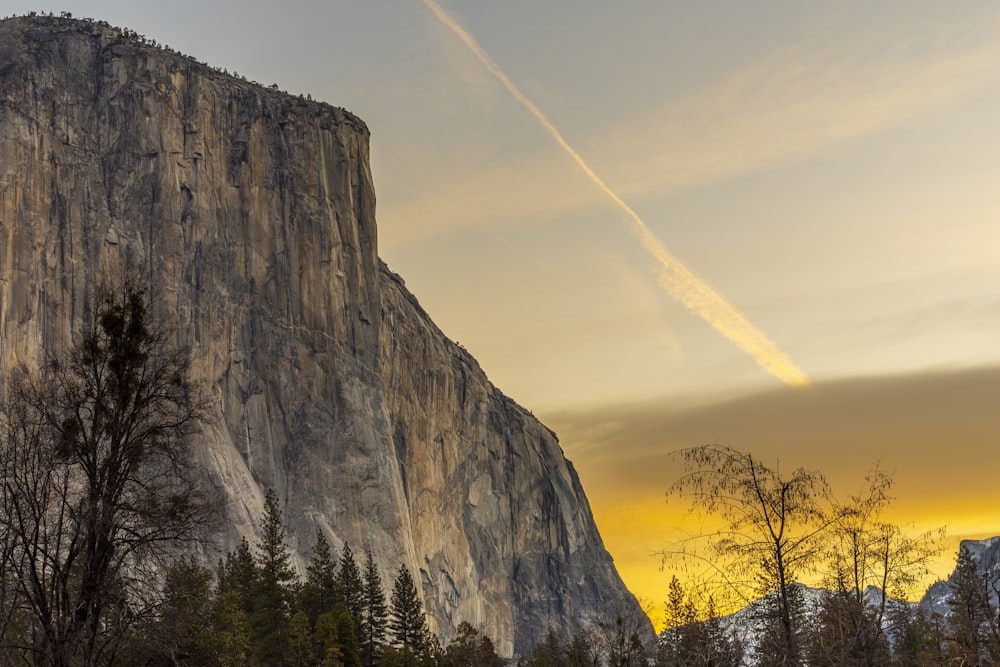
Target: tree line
{"type": "Point", "coordinates": [777, 529]}
{"type": "Point", "coordinates": [103, 512]}
{"type": "Point", "coordinates": [260, 612]}
{"type": "Point", "coordinates": [106, 524]}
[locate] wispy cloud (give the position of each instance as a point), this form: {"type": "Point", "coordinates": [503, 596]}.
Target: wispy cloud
{"type": "Point", "coordinates": [674, 276]}
{"type": "Point", "coordinates": [801, 101]}
{"type": "Point", "coordinates": [794, 104]}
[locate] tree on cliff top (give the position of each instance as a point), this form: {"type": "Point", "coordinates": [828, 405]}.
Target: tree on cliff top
{"type": "Point", "coordinates": [99, 492]}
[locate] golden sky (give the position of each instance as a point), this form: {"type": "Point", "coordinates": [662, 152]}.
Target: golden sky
{"type": "Point", "coordinates": [934, 432]}
{"type": "Point", "coordinates": [554, 178]}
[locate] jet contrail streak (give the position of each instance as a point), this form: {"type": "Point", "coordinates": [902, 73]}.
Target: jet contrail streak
{"type": "Point", "coordinates": [676, 278]}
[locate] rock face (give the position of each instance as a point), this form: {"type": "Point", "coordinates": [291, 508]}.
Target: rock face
{"type": "Point", "coordinates": [986, 554]}
{"type": "Point", "coordinates": [254, 213]}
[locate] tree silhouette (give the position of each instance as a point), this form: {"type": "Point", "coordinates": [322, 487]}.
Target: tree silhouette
{"type": "Point", "coordinates": [100, 492]}
{"type": "Point", "coordinates": [773, 526]}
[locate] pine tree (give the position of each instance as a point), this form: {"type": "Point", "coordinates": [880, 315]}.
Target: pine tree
{"type": "Point", "coordinates": [677, 643]}
{"type": "Point", "coordinates": [720, 649]}
{"type": "Point", "coordinates": [550, 652]}
{"type": "Point", "coordinates": [275, 589]}
{"type": "Point", "coordinates": [407, 623]}
{"type": "Point", "coordinates": [184, 629]}
{"type": "Point", "coordinates": [470, 648]}
{"type": "Point", "coordinates": [350, 586]}
{"type": "Point", "coordinates": [970, 611]}
{"type": "Point", "coordinates": [236, 583]}
{"type": "Point", "coordinates": [237, 577]}
{"type": "Point", "coordinates": [375, 616]}
{"type": "Point", "coordinates": [346, 638]}
{"type": "Point", "coordinates": [330, 652]}
{"type": "Point", "coordinates": [775, 647]}
{"type": "Point", "coordinates": [583, 651]}
{"type": "Point", "coordinates": [300, 641]}
{"type": "Point", "coordinates": [320, 592]}
{"type": "Point", "coordinates": [917, 638]}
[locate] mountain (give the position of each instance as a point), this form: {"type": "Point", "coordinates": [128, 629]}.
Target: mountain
{"type": "Point", "coordinates": [986, 553]}
{"type": "Point", "coordinates": [253, 213]}
{"type": "Point", "coordinates": [747, 626]}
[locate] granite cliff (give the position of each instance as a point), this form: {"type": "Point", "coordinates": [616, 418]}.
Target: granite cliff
{"type": "Point", "coordinates": [254, 213]}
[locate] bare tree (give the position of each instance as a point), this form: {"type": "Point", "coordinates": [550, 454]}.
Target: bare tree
{"type": "Point", "coordinates": [621, 638]}
{"type": "Point", "coordinates": [100, 493]}
{"type": "Point", "coordinates": [772, 527]}
{"type": "Point", "coordinates": [868, 562]}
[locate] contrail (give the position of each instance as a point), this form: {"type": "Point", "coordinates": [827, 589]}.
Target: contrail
{"type": "Point", "coordinates": [676, 278]}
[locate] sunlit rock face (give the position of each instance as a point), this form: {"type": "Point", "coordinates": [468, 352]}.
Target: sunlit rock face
{"type": "Point", "coordinates": [253, 212]}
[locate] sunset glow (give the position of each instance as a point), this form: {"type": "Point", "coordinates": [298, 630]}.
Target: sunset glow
{"type": "Point", "coordinates": [831, 169]}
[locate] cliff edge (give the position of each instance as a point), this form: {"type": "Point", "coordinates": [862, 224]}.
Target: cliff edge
{"type": "Point", "coordinates": [254, 213]}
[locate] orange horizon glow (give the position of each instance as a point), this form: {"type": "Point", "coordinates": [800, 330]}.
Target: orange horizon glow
{"type": "Point", "coordinates": [934, 434]}
{"type": "Point", "coordinates": [647, 574]}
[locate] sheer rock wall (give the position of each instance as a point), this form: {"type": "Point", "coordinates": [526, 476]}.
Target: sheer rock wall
{"type": "Point", "coordinates": [253, 212]}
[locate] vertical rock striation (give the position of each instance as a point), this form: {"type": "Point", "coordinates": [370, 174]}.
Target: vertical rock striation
{"type": "Point", "coordinates": [254, 213]}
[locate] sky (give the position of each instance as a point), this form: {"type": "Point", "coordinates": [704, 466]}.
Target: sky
{"type": "Point", "coordinates": [659, 224]}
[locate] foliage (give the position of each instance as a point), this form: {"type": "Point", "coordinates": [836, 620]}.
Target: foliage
{"type": "Point", "coordinates": [183, 630]}
{"type": "Point", "coordinates": [470, 648]}
{"type": "Point", "coordinates": [350, 587]}
{"type": "Point", "coordinates": [621, 642]}
{"type": "Point", "coordinates": [917, 639]}
{"type": "Point", "coordinates": [237, 577]}
{"type": "Point", "coordinates": [320, 592]}
{"type": "Point", "coordinates": [274, 588]}
{"type": "Point", "coordinates": [972, 617]}
{"type": "Point", "coordinates": [398, 657]}
{"type": "Point", "coordinates": [867, 561]}
{"type": "Point", "coordinates": [694, 637]}
{"type": "Point", "coordinates": [374, 619]}
{"type": "Point", "coordinates": [407, 624]}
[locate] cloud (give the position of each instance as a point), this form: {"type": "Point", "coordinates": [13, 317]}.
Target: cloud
{"type": "Point", "coordinates": [912, 422]}
{"type": "Point", "coordinates": [674, 276]}
{"type": "Point", "coordinates": [794, 104]}
{"type": "Point", "coordinates": [936, 432]}
{"type": "Point", "coordinates": [800, 101]}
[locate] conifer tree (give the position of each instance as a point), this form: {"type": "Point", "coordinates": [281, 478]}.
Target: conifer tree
{"type": "Point", "coordinates": [407, 623]}
{"type": "Point", "coordinates": [275, 589]}
{"type": "Point", "coordinates": [184, 629]}
{"type": "Point", "coordinates": [233, 604]}
{"type": "Point", "coordinates": [320, 592]}
{"type": "Point", "coordinates": [470, 648]}
{"type": "Point", "coordinates": [301, 651]}
{"type": "Point", "coordinates": [678, 639]}
{"type": "Point", "coordinates": [375, 615]}
{"type": "Point", "coordinates": [582, 651]}
{"type": "Point", "coordinates": [970, 615]}
{"type": "Point", "coordinates": [337, 639]}
{"type": "Point", "coordinates": [550, 652]}
{"type": "Point", "coordinates": [237, 577]}
{"type": "Point", "coordinates": [328, 647]}
{"type": "Point", "coordinates": [918, 639]}
{"type": "Point", "coordinates": [350, 586]}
